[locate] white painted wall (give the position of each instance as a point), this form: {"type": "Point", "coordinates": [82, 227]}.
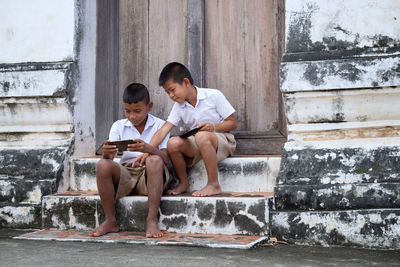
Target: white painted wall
{"type": "Point", "coordinates": [49, 31]}
{"type": "Point", "coordinates": [354, 21]}
{"type": "Point", "coordinates": [84, 108]}
{"type": "Point", "coordinates": [348, 98]}
{"type": "Point", "coordinates": [32, 83]}
{"type": "Point", "coordinates": [47, 76]}
{"type": "Point", "coordinates": [36, 31]}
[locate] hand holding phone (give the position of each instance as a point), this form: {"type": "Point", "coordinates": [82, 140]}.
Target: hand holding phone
{"type": "Point", "coordinates": [122, 145]}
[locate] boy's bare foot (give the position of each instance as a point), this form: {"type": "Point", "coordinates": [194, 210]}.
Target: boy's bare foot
{"type": "Point", "coordinates": [180, 188]}
{"type": "Point", "coordinates": [208, 190]}
{"type": "Point", "coordinates": [152, 229]}
{"type": "Point", "coordinates": [107, 226]}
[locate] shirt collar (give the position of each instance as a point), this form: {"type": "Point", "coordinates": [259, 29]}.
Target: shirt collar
{"type": "Point", "coordinates": [200, 95]}
{"type": "Point", "coordinates": [150, 122]}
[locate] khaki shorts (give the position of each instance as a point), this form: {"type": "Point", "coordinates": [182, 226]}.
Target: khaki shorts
{"type": "Point", "coordinates": [226, 147]}
{"type": "Point", "coordinates": [133, 180]}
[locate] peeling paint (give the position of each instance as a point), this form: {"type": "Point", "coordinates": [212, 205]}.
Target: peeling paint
{"type": "Point", "coordinates": [347, 165]}
{"type": "Point", "coordinates": [21, 216]}
{"type": "Point", "coordinates": [32, 83]}
{"type": "Point", "coordinates": [34, 196]}
{"type": "Point", "coordinates": [367, 228]}
{"type": "Point", "coordinates": [337, 25]}
{"type": "Point", "coordinates": [340, 74]}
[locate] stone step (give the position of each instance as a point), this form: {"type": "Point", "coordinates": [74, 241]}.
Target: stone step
{"type": "Point", "coordinates": [236, 174]}
{"type": "Point", "coordinates": [226, 213]}
{"type": "Point", "coordinates": [337, 197]}
{"type": "Point", "coordinates": [368, 228]}
{"type": "Point", "coordinates": [20, 216]}
{"type": "Point", "coordinates": [340, 166]}
{"type": "Point", "coordinates": [24, 190]}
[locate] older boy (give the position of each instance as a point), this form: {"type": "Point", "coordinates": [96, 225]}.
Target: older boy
{"type": "Point", "coordinates": [207, 109]}
{"type": "Point", "coordinates": [117, 180]}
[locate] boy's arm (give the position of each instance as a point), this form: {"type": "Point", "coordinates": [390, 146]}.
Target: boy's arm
{"type": "Point", "coordinates": [155, 141]}
{"type": "Point", "coordinates": [229, 124]}
{"type": "Point", "coordinates": [142, 146]}
{"type": "Point", "coordinates": [161, 133]}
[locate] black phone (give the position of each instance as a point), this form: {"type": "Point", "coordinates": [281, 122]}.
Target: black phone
{"type": "Point", "coordinates": [190, 133]}
{"type": "Point", "coordinates": [122, 145]}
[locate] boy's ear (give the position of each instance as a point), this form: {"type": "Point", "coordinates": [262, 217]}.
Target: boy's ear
{"type": "Point", "coordinates": [150, 106]}
{"type": "Point", "coordinates": [186, 82]}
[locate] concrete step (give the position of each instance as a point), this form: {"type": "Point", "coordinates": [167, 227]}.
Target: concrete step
{"type": "Point", "coordinates": [226, 213]}
{"type": "Point", "coordinates": [236, 174]}
{"type": "Point", "coordinates": [338, 196]}
{"type": "Point", "coordinates": [368, 228]}
{"type": "Point", "coordinates": [340, 166]}
{"type": "Point", "coordinates": [20, 216]}
{"type": "Point", "coordinates": [24, 190]}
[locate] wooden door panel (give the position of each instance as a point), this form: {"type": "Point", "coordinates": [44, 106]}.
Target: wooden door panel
{"type": "Point", "coordinates": [242, 60]}
{"type": "Point", "coordinates": [133, 45]}
{"type": "Point", "coordinates": [167, 43]}
{"type": "Point", "coordinates": [153, 33]}
{"type": "Point", "coordinates": [224, 52]}
{"type": "Point", "coordinates": [261, 66]}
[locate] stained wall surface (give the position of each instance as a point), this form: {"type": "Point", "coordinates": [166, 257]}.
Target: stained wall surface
{"type": "Point", "coordinates": [340, 80]}
{"type": "Point", "coordinates": [41, 84]}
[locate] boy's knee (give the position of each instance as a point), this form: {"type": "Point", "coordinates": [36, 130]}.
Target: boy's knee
{"type": "Point", "coordinates": [173, 144]}
{"type": "Point", "coordinates": [203, 138]}
{"type": "Point", "coordinates": [103, 164]}
{"type": "Point", "coordinates": [154, 162]}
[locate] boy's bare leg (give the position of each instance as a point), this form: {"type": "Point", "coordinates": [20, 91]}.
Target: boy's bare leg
{"type": "Point", "coordinates": [207, 143]}
{"type": "Point", "coordinates": [177, 149]}
{"type": "Point", "coordinates": [107, 177]}
{"type": "Point", "coordinates": [154, 169]}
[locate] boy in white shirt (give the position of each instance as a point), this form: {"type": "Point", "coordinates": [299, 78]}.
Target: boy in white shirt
{"type": "Point", "coordinates": [207, 109]}
{"type": "Point", "coordinates": [115, 181]}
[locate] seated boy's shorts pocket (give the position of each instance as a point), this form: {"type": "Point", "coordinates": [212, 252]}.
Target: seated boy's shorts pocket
{"type": "Point", "coordinates": [133, 180]}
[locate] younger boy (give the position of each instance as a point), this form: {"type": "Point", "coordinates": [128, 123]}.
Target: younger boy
{"type": "Point", "coordinates": [115, 181]}
{"type": "Point", "coordinates": [207, 109]}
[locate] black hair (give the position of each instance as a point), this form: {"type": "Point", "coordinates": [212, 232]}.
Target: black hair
{"type": "Point", "coordinates": [175, 71]}
{"type": "Point", "coordinates": [136, 92]}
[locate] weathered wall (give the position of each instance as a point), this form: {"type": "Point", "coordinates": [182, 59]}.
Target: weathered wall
{"type": "Point", "coordinates": [340, 80]}
{"type": "Point", "coordinates": [40, 88]}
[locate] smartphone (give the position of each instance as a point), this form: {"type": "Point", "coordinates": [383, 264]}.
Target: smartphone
{"type": "Point", "coordinates": [122, 145]}
{"type": "Point", "coordinates": [189, 133]}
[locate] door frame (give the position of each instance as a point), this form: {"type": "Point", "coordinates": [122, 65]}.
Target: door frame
{"type": "Point", "coordinates": [107, 69]}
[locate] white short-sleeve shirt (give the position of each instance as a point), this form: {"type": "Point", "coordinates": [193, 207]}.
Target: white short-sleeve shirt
{"type": "Point", "coordinates": [124, 129]}
{"type": "Point", "coordinates": [211, 106]}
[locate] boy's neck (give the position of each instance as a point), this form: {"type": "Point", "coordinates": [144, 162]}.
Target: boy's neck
{"type": "Point", "coordinates": [192, 95]}
{"type": "Point", "coordinates": [140, 128]}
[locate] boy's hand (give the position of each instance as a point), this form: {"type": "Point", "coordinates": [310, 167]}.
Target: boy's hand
{"type": "Point", "coordinates": [109, 150]}
{"type": "Point", "coordinates": [140, 160]}
{"type": "Point", "coordinates": [206, 126]}
{"type": "Point", "coordinates": [140, 146]}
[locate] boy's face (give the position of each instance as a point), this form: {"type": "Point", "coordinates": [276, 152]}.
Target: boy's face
{"type": "Point", "coordinates": [137, 112]}
{"type": "Point", "coordinates": [176, 91]}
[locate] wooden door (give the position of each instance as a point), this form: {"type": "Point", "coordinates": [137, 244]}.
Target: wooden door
{"type": "Point", "coordinates": [242, 55]}
{"type": "Point", "coordinates": [233, 46]}
{"type": "Point", "coordinates": [152, 34]}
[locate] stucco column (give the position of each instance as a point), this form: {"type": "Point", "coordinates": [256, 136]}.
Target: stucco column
{"type": "Point", "coordinates": [340, 80]}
